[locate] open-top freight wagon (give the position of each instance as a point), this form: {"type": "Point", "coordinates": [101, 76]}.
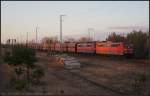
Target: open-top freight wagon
{"type": "Point", "coordinates": [71, 47]}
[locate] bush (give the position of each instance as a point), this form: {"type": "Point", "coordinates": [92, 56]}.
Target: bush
{"type": "Point", "coordinates": [37, 74]}
{"type": "Point", "coordinates": [21, 58]}
{"type": "Point", "coordinates": [139, 84]}
{"type": "Point", "coordinates": [19, 84]}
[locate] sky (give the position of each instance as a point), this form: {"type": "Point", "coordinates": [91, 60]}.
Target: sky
{"type": "Point", "coordinates": [105, 17]}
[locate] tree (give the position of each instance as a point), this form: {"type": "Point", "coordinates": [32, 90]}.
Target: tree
{"type": "Point", "coordinates": [85, 39]}
{"type": "Point", "coordinates": [22, 59]}
{"type": "Point", "coordinates": [37, 74]}
{"type": "Point", "coordinates": [29, 59]}
{"type": "Point", "coordinates": [19, 71]}
{"type": "Point", "coordinates": [115, 38]}
{"type": "Point", "coordinates": [140, 41]}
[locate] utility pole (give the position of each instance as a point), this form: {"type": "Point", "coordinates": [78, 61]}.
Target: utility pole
{"type": "Point", "coordinates": [0, 49]}
{"type": "Point", "coordinates": [36, 35]}
{"type": "Point", "coordinates": [89, 29]}
{"type": "Point", "coordinates": [20, 38]}
{"type": "Point", "coordinates": [61, 32]}
{"type": "Point", "coordinates": [89, 32]}
{"type": "Point", "coordinates": [93, 34]}
{"type": "Point", "coordinates": [27, 38]}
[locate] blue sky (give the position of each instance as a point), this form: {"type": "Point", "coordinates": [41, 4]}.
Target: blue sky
{"type": "Point", "coordinates": [20, 17]}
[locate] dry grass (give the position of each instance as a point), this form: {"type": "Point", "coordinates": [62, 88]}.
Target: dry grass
{"type": "Point", "coordinates": [116, 74]}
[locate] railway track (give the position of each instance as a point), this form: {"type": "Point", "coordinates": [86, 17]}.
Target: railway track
{"type": "Point", "coordinates": [69, 76]}
{"type": "Point", "coordinates": [100, 85]}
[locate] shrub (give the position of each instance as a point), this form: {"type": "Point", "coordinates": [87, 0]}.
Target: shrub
{"type": "Point", "coordinates": [24, 57]}
{"type": "Point", "coordinates": [139, 84]}
{"type": "Point", "coordinates": [19, 84]}
{"type": "Point", "coordinates": [37, 74]}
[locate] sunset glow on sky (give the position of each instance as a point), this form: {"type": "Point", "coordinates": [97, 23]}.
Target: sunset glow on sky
{"type": "Point", "coordinates": [20, 17]}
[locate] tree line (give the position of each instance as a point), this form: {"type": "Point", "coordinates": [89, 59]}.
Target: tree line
{"type": "Point", "coordinates": [139, 39]}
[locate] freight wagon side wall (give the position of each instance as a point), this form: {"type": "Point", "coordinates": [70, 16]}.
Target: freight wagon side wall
{"type": "Point", "coordinates": [71, 47]}
{"type": "Point", "coordinates": [64, 47]}
{"type": "Point", "coordinates": [57, 47]}
{"type": "Point", "coordinates": [52, 46]}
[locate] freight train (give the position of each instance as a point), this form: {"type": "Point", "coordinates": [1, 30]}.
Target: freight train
{"type": "Point", "coordinates": [103, 47]}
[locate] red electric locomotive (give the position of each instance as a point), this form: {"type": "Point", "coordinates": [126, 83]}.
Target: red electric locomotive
{"type": "Point", "coordinates": [88, 47]}
{"type": "Point", "coordinates": [112, 48]}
